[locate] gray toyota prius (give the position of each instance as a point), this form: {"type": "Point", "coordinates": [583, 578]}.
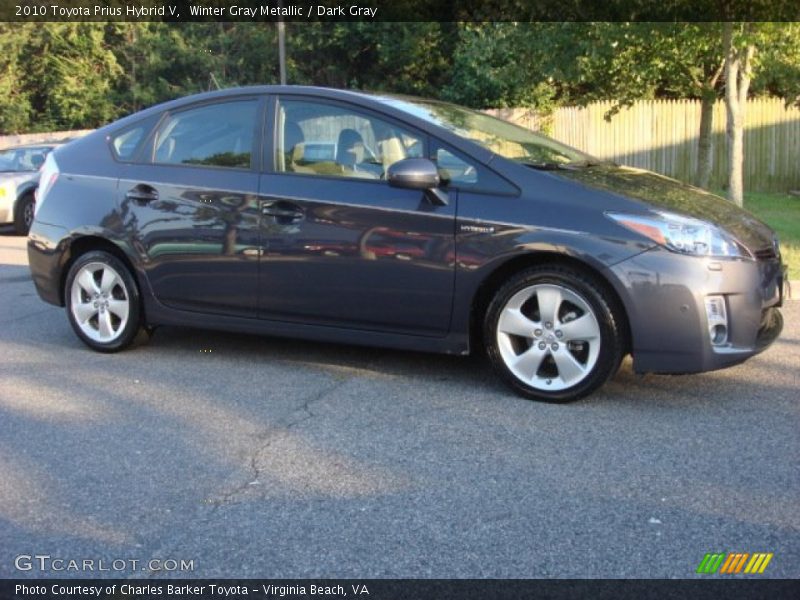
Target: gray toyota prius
{"type": "Point", "coordinates": [399, 222]}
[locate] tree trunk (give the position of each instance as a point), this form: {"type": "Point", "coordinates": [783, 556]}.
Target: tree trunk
{"type": "Point", "coordinates": [738, 65]}
{"type": "Point", "coordinates": [703, 177]}
{"type": "Point", "coordinates": [735, 132]}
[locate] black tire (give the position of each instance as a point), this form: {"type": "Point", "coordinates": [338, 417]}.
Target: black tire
{"type": "Point", "coordinates": [597, 347]}
{"type": "Point", "coordinates": [80, 302]}
{"type": "Point", "coordinates": [23, 214]}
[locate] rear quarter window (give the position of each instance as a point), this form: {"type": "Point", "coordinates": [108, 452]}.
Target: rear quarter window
{"type": "Point", "coordinates": [127, 143]}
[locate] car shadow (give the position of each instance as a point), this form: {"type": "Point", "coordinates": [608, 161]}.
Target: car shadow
{"type": "Point", "coordinates": [341, 359]}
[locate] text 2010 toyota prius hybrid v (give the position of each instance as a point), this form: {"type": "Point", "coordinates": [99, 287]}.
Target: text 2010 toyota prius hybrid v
{"type": "Point", "coordinates": [399, 222]}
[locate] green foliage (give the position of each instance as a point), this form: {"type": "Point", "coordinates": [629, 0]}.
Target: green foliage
{"type": "Point", "coordinates": [15, 108]}
{"type": "Point", "coordinates": [76, 75]}
{"type": "Point", "coordinates": [779, 61]}
{"type": "Point", "coordinates": [407, 58]}
{"type": "Point", "coordinates": [492, 68]}
{"type": "Point", "coordinates": [782, 213]}
{"type": "Point", "coordinates": [69, 76]}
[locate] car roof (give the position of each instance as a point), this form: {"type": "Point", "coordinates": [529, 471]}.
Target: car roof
{"type": "Point", "coordinates": [281, 89]}
{"type": "Point", "coordinates": [319, 92]}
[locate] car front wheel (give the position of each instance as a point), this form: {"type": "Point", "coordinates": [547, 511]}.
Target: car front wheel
{"type": "Point", "coordinates": [102, 302]}
{"type": "Point", "coordinates": [552, 334]}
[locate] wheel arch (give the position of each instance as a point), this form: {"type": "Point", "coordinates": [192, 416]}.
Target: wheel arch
{"type": "Point", "coordinates": [88, 243]}
{"type": "Point", "coordinates": [495, 279]}
{"type": "Point", "coordinates": [27, 189]}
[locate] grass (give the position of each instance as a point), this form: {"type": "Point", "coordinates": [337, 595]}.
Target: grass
{"type": "Point", "coordinates": [782, 213]}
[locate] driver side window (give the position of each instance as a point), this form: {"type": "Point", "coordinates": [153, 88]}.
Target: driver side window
{"type": "Point", "coordinates": [317, 138]}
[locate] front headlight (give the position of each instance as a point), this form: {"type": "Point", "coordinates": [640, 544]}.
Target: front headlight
{"type": "Point", "coordinates": [684, 234]}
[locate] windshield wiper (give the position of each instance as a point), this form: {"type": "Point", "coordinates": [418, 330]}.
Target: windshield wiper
{"type": "Point", "coordinates": [546, 166]}
{"type": "Point", "coordinates": [585, 164]}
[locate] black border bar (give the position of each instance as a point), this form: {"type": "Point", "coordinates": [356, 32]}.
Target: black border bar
{"type": "Point", "coordinates": [400, 589]}
{"type": "Point", "coordinates": [400, 10]}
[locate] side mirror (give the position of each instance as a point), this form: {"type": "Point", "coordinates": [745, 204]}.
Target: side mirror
{"type": "Point", "coordinates": [417, 174]}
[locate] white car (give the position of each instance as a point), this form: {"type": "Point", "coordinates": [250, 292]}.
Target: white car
{"type": "Point", "coordinates": [19, 178]}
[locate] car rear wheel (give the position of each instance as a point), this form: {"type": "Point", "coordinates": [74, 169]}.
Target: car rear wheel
{"type": "Point", "coordinates": [552, 334]}
{"type": "Point", "coordinates": [23, 214]}
{"type": "Point", "coordinates": [102, 302]}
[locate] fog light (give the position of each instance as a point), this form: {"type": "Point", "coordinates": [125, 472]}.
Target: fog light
{"type": "Point", "coordinates": [717, 318]}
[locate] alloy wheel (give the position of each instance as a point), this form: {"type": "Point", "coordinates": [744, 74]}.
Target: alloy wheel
{"type": "Point", "coordinates": [548, 337]}
{"type": "Point", "coordinates": [100, 302]}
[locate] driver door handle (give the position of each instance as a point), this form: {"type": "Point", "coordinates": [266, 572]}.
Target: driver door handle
{"type": "Point", "coordinates": [142, 194]}
{"type": "Point", "coordinates": [285, 213]}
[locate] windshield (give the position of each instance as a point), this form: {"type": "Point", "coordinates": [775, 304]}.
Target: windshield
{"type": "Point", "coordinates": [23, 159]}
{"type": "Point", "coordinates": [501, 137]}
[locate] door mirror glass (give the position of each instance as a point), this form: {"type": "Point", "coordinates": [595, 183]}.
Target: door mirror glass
{"type": "Point", "coordinates": [413, 173]}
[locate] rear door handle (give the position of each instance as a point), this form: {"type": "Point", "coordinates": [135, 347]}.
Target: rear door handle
{"type": "Point", "coordinates": [285, 213]}
{"type": "Point", "coordinates": [142, 194]}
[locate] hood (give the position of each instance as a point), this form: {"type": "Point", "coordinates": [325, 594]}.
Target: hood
{"type": "Point", "coordinates": [662, 193]}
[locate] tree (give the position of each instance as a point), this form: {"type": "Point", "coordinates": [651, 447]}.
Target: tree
{"type": "Point", "coordinates": [626, 62]}
{"type": "Point", "coordinates": [69, 75]}
{"type": "Point", "coordinates": [779, 64]}
{"type": "Point", "coordinates": [578, 63]}
{"type": "Point", "coordinates": [770, 53]}
{"type": "Point", "coordinates": [15, 107]}
{"type": "Point", "coordinates": [687, 61]}
{"type": "Point", "coordinates": [740, 52]}
{"type": "Point", "coordinates": [399, 57]}
{"type": "Point", "coordinates": [488, 69]}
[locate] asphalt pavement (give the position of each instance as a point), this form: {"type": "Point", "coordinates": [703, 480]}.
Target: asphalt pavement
{"type": "Point", "coordinates": [248, 456]}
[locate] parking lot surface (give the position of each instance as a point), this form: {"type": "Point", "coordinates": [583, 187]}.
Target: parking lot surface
{"type": "Point", "coordinates": [262, 457]}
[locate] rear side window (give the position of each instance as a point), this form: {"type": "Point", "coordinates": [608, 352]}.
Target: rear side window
{"type": "Point", "coordinates": [214, 135]}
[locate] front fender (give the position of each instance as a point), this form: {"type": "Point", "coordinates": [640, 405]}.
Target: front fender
{"type": "Point", "coordinates": [482, 257]}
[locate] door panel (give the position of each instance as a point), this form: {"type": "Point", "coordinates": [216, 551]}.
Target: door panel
{"type": "Point", "coordinates": [198, 235]}
{"type": "Point", "coordinates": [193, 208]}
{"type": "Point", "coordinates": [342, 247]}
{"type": "Point", "coordinates": [357, 254]}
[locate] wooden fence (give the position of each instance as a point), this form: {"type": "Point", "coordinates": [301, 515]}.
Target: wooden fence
{"type": "Point", "coordinates": [662, 136]}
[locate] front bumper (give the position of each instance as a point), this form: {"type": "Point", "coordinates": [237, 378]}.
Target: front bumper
{"type": "Point", "coordinates": [664, 294]}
